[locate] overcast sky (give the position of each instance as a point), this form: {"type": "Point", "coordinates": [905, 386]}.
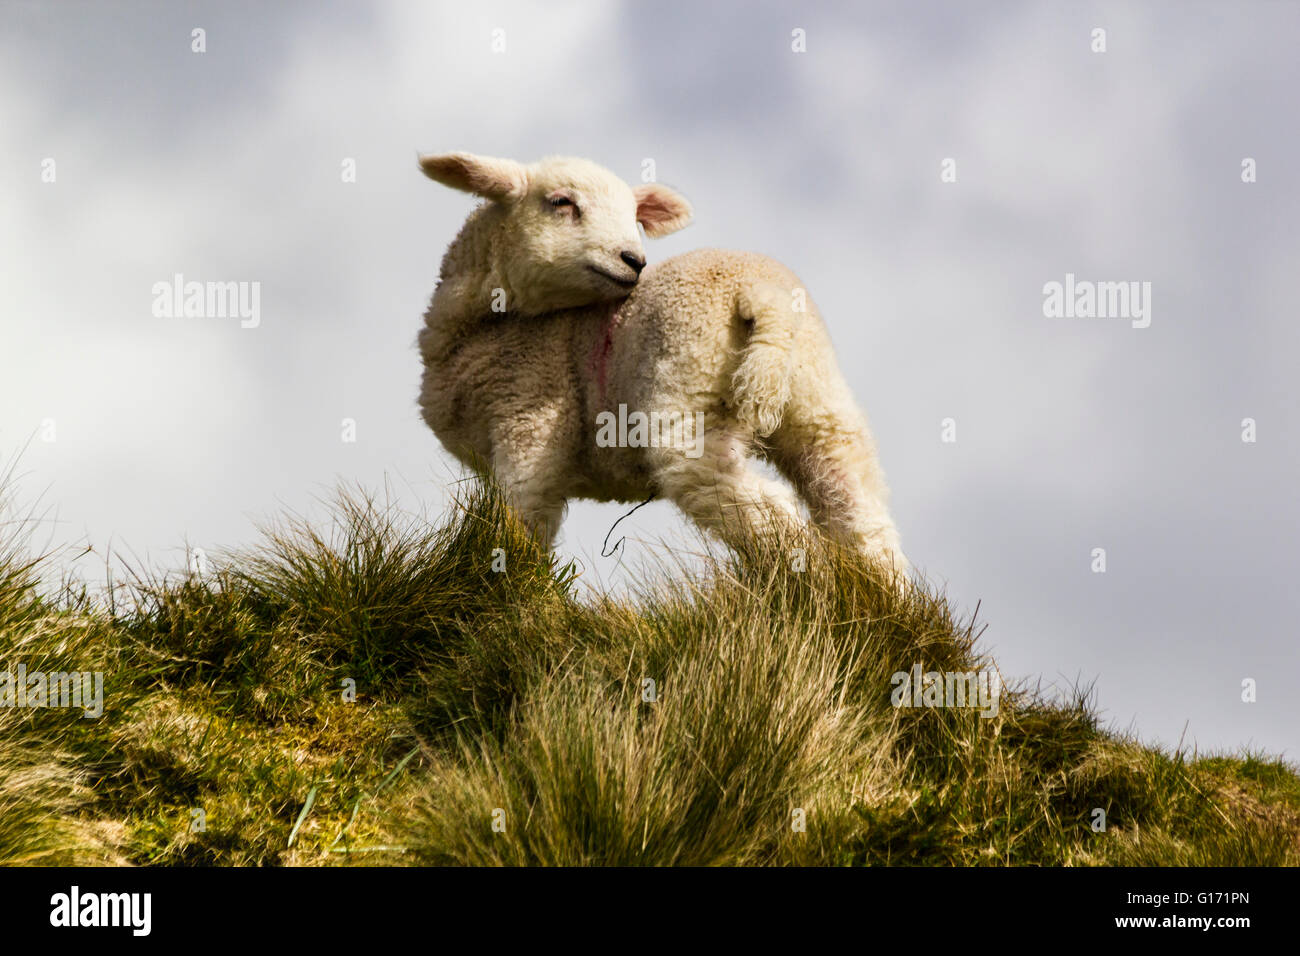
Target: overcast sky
{"type": "Point", "coordinates": [1071, 433]}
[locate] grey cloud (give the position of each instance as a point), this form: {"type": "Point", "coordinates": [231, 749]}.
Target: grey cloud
{"type": "Point", "coordinates": [1073, 434]}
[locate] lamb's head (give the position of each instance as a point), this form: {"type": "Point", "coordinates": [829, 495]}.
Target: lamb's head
{"type": "Point", "coordinates": [563, 231]}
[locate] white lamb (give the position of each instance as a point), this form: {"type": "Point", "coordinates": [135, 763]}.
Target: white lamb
{"type": "Point", "coordinates": [556, 358]}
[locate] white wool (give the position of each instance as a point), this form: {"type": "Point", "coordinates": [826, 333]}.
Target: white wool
{"type": "Point", "coordinates": [541, 337]}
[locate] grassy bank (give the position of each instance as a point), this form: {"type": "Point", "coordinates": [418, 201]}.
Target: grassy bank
{"type": "Point", "coordinates": [374, 692]}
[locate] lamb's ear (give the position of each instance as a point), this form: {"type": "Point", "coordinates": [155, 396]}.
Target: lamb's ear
{"type": "Point", "coordinates": [486, 176]}
{"type": "Point", "coordinates": [660, 210]}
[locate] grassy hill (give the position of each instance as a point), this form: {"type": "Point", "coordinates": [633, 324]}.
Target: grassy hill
{"type": "Point", "coordinates": [496, 719]}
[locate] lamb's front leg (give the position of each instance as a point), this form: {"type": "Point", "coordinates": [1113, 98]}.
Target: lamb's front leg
{"type": "Point", "coordinates": [531, 469]}
{"type": "Point", "coordinates": [539, 507]}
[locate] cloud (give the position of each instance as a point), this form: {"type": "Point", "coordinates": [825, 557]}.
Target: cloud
{"type": "Point", "coordinates": [1072, 434]}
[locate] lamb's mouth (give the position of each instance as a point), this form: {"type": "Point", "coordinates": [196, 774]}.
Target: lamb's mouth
{"type": "Point", "coordinates": [624, 283]}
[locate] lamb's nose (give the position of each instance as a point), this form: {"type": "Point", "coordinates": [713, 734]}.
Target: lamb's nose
{"type": "Point", "coordinates": [632, 259]}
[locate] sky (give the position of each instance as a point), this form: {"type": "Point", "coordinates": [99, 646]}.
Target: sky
{"type": "Point", "coordinates": [926, 169]}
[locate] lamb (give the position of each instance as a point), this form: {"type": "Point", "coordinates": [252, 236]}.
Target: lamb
{"type": "Point", "coordinates": [546, 327]}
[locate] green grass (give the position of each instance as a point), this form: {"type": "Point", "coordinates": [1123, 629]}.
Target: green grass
{"type": "Point", "coordinates": [485, 697]}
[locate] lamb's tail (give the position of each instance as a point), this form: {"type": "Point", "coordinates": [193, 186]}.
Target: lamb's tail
{"type": "Point", "coordinates": [761, 383]}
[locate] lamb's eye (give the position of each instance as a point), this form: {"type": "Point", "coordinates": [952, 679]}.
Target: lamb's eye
{"type": "Point", "coordinates": [558, 201]}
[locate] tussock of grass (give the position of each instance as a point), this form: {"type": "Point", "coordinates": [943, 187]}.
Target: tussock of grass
{"type": "Point", "coordinates": [375, 692]}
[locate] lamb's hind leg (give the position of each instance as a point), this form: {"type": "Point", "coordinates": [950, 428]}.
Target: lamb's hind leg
{"type": "Point", "coordinates": [834, 466]}
{"type": "Point", "coordinates": [718, 488]}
